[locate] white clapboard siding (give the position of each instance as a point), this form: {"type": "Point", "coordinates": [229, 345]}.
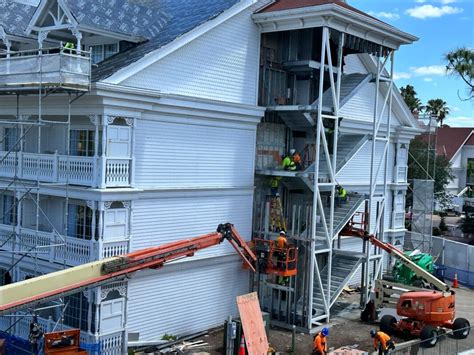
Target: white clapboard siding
{"type": "Point", "coordinates": [166, 220]}
{"type": "Point", "coordinates": [353, 64]}
{"type": "Point", "coordinates": [355, 245]}
{"type": "Point", "coordinates": [178, 155]}
{"type": "Point", "coordinates": [357, 170]}
{"type": "Point", "coordinates": [205, 297]}
{"type": "Point", "coordinates": [361, 106]}
{"type": "Point", "coordinates": [220, 65]}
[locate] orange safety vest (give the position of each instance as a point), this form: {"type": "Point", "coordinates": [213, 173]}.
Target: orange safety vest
{"type": "Point", "coordinates": [382, 338]}
{"type": "Point", "coordinates": [319, 343]}
{"type": "Point", "coordinates": [281, 242]}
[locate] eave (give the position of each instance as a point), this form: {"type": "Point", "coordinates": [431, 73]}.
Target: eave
{"type": "Point", "coordinates": [335, 17]}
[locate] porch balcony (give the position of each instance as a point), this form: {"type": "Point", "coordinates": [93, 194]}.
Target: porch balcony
{"type": "Point", "coordinates": [92, 171]}
{"type": "Point", "coordinates": [62, 68]}
{"type": "Point", "coordinates": [52, 247]}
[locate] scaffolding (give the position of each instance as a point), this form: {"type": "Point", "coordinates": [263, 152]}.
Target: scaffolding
{"type": "Point", "coordinates": [313, 213]}
{"type": "Point", "coordinates": [32, 76]}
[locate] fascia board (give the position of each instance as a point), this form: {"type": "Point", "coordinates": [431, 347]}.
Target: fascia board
{"type": "Point", "coordinates": [162, 52]}
{"type": "Point", "coordinates": [111, 34]}
{"type": "Point", "coordinates": [349, 22]}
{"type": "Point", "coordinates": [462, 145]}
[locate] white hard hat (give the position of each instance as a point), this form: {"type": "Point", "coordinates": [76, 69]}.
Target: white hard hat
{"type": "Point", "coordinates": [282, 233]}
{"type": "Point", "coordinates": [292, 151]}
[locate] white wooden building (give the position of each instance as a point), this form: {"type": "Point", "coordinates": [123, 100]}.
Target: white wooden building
{"type": "Point", "coordinates": [163, 145]}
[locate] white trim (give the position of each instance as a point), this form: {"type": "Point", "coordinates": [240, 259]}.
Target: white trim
{"type": "Point", "coordinates": [41, 7]}
{"type": "Point", "coordinates": [336, 17]}
{"type": "Point", "coordinates": [462, 145]}
{"type": "Point", "coordinates": [162, 52]}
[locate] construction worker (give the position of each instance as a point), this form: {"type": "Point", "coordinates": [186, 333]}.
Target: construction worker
{"type": "Point", "coordinates": [296, 157]}
{"type": "Point", "coordinates": [320, 346]}
{"type": "Point", "coordinates": [274, 184]}
{"type": "Point", "coordinates": [281, 240]}
{"type": "Point", "coordinates": [382, 342]}
{"type": "Point", "coordinates": [288, 163]}
{"type": "Point", "coordinates": [35, 335]}
{"type": "Point", "coordinates": [341, 195]}
{"type": "Point", "coordinates": [69, 46]}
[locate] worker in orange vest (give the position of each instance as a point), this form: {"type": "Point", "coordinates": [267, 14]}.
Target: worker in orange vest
{"type": "Point", "coordinates": [382, 342]}
{"type": "Point", "coordinates": [320, 346]}
{"type": "Point", "coordinates": [281, 240]}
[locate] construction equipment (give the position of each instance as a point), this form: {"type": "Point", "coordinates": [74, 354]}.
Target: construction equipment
{"type": "Point", "coordinates": [425, 312]}
{"type": "Point", "coordinates": [66, 342]}
{"type": "Point", "coordinates": [34, 291]}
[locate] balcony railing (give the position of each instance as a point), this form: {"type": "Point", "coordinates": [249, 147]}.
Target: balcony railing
{"type": "Point", "coordinates": [54, 248]}
{"type": "Point", "coordinates": [55, 168]}
{"type": "Point", "coordinates": [53, 67]}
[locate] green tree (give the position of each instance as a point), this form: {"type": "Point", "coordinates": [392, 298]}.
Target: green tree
{"type": "Point", "coordinates": [467, 225]}
{"type": "Point", "coordinates": [417, 168]}
{"type": "Point", "coordinates": [409, 95]}
{"type": "Point", "coordinates": [460, 63]}
{"type": "Point", "coordinates": [438, 108]}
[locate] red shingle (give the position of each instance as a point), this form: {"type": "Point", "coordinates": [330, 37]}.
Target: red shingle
{"type": "Point", "coordinates": [450, 139]}
{"type": "Point", "coordinates": [280, 5]}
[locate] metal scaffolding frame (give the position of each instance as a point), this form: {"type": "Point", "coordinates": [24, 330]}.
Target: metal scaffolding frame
{"type": "Point", "coordinates": [22, 190]}
{"type": "Point", "coordinates": [302, 288]}
{"type": "Point", "coordinates": [378, 201]}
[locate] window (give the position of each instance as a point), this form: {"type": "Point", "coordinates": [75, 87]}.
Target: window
{"type": "Point", "coordinates": [9, 211]}
{"type": "Point", "coordinates": [80, 222]}
{"type": "Point", "coordinates": [82, 143]}
{"type": "Point", "coordinates": [470, 172]}
{"type": "Point", "coordinates": [76, 312]}
{"type": "Point", "coordinates": [103, 51]}
{"type": "Point", "coordinates": [11, 137]}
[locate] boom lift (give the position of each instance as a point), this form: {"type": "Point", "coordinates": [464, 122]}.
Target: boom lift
{"type": "Point", "coordinates": [32, 292]}
{"type": "Point", "coordinates": [425, 312]}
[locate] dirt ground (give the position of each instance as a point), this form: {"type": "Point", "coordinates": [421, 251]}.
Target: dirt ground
{"type": "Point", "coordinates": [345, 329]}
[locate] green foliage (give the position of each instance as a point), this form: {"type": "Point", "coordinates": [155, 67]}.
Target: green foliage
{"type": "Point", "coordinates": [438, 108]}
{"type": "Point", "coordinates": [443, 172]}
{"type": "Point", "coordinates": [467, 224]}
{"type": "Point", "coordinates": [436, 232]}
{"type": "Point", "coordinates": [169, 337]}
{"type": "Point", "coordinates": [460, 63]}
{"type": "Point", "coordinates": [409, 95]}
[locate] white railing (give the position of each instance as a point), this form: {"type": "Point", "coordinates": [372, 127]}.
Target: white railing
{"type": "Point", "coordinates": [55, 168]}
{"type": "Point", "coordinates": [112, 344]}
{"type": "Point", "coordinates": [110, 249]}
{"type": "Point", "coordinates": [54, 248]}
{"type": "Point", "coordinates": [117, 172]}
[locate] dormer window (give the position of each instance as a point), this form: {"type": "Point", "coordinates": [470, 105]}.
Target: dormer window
{"type": "Point", "coordinates": [103, 51]}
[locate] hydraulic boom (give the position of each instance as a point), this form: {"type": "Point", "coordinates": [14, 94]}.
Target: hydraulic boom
{"type": "Point", "coordinates": [32, 292]}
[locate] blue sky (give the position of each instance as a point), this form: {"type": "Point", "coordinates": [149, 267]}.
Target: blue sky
{"type": "Point", "coordinates": [441, 26]}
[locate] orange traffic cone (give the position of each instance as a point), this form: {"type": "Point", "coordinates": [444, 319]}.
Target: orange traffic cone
{"type": "Point", "coordinates": [242, 345]}
{"type": "Point", "coordinates": [455, 281]}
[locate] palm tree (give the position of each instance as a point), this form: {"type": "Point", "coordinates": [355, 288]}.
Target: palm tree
{"type": "Point", "coordinates": [409, 95]}
{"type": "Point", "coordinates": [461, 63]}
{"type": "Point", "coordinates": [438, 108]}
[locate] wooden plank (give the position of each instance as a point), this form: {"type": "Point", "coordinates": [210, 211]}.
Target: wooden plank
{"type": "Point", "coordinates": [252, 322]}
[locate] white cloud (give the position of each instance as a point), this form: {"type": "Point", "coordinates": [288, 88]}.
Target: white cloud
{"type": "Point", "coordinates": [459, 121]}
{"type": "Point", "coordinates": [427, 11]}
{"type": "Point", "coordinates": [455, 109]}
{"type": "Point", "coordinates": [384, 14]}
{"type": "Point", "coordinates": [428, 80]}
{"type": "Point", "coordinates": [420, 1]}
{"type": "Point", "coordinates": [446, 2]}
{"type": "Point", "coordinates": [429, 70]}
{"type": "Point", "coordinates": [401, 75]}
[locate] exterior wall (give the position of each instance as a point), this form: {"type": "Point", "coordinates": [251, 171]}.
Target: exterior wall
{"type": "Point", "coordinates": [361, 106]}
{"type": "Point", "coordinates": [193, 154]}
{"type": "Point", "coordinates": [353, 64]}
{"type": "Point", "coordinates": [164, 220]}
{"type": "Point", "coordinates": [204, 298]}
{"type": "Point", "coordinates": [220, 65]}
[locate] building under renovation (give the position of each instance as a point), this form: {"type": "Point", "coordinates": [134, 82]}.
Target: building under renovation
{"type": "Point", "coordinates": [127, 124]}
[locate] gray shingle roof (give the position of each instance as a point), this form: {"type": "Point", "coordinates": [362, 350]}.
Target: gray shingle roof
{"type": "Point", "coordinates": [159, 21]}
{"type": "Point", "coordinates": [14, 17]}
{"type": "Point", "coordinates": [184, 15]}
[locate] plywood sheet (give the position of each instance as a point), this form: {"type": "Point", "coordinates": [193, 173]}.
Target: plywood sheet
{"type": "Point", "coordinates": [252, 322]}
